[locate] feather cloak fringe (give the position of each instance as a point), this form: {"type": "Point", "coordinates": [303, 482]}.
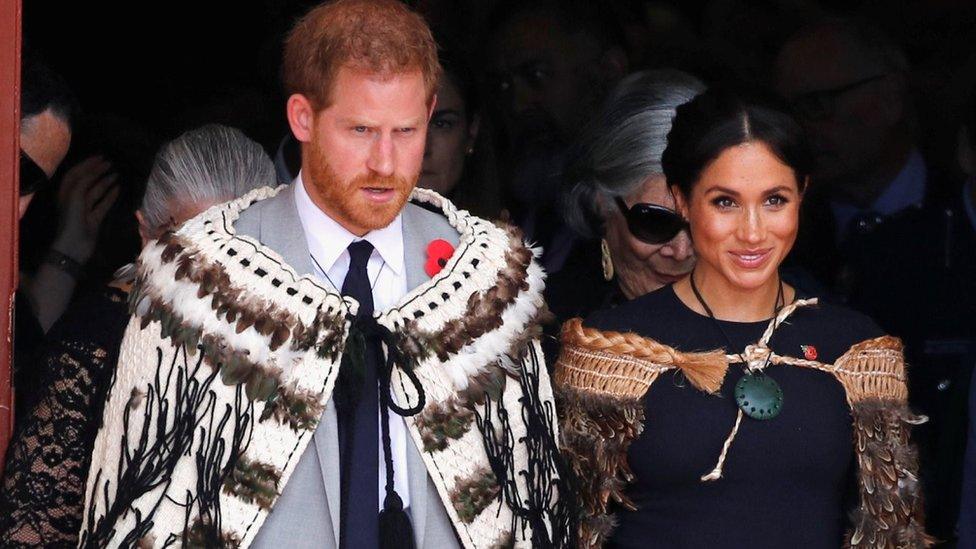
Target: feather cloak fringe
{"type": "Point", "coordinates": [230, 359]}
{"type": "Point", "coordinates": [891, 511]}
{"type": "Point", "coordinates": [596, 432]}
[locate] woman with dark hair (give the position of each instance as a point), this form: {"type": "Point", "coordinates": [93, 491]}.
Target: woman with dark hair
{"type": "Point", "coordinates": [718, 411]}
{"type": "Point", "coordinates": [459, 160]}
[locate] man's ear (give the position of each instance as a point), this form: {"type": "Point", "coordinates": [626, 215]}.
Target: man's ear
{"type": "Point", "coordinates": [301, 116]}
{"type": "Point", "coordinates": [144, 233]}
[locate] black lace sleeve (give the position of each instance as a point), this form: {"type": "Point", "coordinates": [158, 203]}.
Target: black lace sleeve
{"type": "Point", "coordinates": [42, 494]}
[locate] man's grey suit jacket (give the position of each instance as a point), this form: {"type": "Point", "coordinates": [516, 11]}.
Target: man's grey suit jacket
{"type": "Point", "coordinates": [306, 514]}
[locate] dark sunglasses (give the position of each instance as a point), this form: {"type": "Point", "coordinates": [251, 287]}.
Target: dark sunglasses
{"type": "Point", "coordinates": [651, 223]}
{"type": "Point", "coordinates": [32, 177]}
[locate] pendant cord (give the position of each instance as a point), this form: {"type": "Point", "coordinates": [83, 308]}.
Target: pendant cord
{"type": "Point", "coordinates": [716, 472]}
{"type": "Point", "coordinates": [777, 307]}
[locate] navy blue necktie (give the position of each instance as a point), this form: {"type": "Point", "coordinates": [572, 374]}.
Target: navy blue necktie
{"type": "Point", "coordinates": [359, 423]}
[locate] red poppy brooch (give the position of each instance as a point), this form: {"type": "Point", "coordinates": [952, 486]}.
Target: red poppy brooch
{"type": "Point", "coordinates": [438, 253]}
{"type": "Point", "coordinates": [809, 352]}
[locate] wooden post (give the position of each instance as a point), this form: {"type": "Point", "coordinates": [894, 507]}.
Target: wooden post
{"type": "Point", "coordinates": [10, 11]}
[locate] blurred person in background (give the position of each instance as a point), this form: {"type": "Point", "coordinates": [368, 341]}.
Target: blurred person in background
{"type": "Point", "coordinates": [44, 480]}
{"type": "Point", "coordinates": [550, 65]}
{"type": "Point", "coordinates": [618, 201]}
{"type": "Point", "coordinates": [882, 229]}
{"type": "Point", "coordinates": [47, 109]}
{"type": "Point", "coordinates": [459, 159]}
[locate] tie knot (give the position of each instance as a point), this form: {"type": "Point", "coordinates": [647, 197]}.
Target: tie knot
{"type": "Point", "coordinates": [359, 253]}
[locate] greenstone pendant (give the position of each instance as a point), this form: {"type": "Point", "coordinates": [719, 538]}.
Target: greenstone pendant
{"type": "Point", "coordinates": [759, 396]}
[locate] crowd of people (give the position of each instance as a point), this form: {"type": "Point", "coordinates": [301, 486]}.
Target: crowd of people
{"type": "Point", "coordinates": [757, 231]}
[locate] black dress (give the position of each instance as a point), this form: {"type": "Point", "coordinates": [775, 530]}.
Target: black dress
{"type": "Point", "coordinates": [787, 481]}
{"type": "Point", "coordinates": [42, 495]}
{"type": "Point", "coordinates": [577, 290]}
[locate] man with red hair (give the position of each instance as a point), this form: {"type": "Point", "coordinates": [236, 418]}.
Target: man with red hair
{"type": "Point", "coordinates": [369, 372]}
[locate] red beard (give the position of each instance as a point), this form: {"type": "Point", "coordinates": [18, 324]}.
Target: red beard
{"type": "Point", "coordinates": [345, 202]}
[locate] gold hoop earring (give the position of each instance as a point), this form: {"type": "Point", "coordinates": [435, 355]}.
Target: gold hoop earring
{"type": "Point", "coordinates": [606, 260]}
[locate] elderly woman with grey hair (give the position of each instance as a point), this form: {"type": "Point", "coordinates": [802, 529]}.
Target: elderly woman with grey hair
{"type": "Point", "coordinates": [42, 495]}
{"type": "Point", "coordinates": [615, 194]}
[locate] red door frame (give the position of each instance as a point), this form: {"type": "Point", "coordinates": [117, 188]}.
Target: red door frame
{"type": "Point", "coordinates": [10, 12]}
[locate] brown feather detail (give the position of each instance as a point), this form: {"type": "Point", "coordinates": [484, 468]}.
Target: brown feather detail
{"type": "Point", "coordinates": [488, 383]}
{"type": "Point", "coordinates": [264, 324]}
{"type": "Point", "coordinates": [441, 422]}
{"type": "Point", "coordinates": [890, 514]}
{"type": "Point", "coordinates": [229, 304]}
{"type": "Point", "coordinates": [253, 482]}
{"type": "Point", "coordinates": [172, 247]}
{"type": "Point", "coordinates": [474, 494]}
{"type": "Point", "coordinates": [530, 333]}
{"type": "Point", "coordinates": [595, 432]}
{"type": "Point", "coordinates": [298, 409]}
{"type": "Point", "coordinates": [279, 336]}
{"type": "Point", "coordinates": [185, 264]}
{"type": "Point", "coordinates": [202, 535]}
{"type": "Point", "coordinates": [483, 311]}
{"type": "Point", "coordinates": [625, 364]}
{"type": "Point", "coordinates": [245, 321]}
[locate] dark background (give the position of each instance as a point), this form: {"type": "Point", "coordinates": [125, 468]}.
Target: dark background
{"type": "Point", "coordinates": [145, 72]}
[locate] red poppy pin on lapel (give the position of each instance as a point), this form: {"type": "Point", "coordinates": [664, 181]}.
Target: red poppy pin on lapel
{"type": "Point", "coordinates": [438, 252]}
{"type": "Point", "coordinates": [809, 352]}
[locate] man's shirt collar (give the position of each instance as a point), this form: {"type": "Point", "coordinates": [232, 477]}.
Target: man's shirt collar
{"type": "Point", "coordinates": [907, 189]}
{"type": "Point", "coordinates": [327, 239]}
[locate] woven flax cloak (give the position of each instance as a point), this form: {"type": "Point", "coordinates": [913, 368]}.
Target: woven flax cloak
{"type": "Point", "coordinates": [230, 359]}
{"type": "Point", "coordinates": [601, 378]}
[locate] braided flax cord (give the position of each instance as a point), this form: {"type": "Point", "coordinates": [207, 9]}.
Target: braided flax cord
{"type": "Point", "coordinates": [625, 364]}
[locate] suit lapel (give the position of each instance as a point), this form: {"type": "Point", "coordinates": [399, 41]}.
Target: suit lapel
{"type": "Point", "coordinates": [414, 256]}
{"type": "Point", "coordinates": [414, 247]}
{"type": "Point", "coordinates": [417, 472]}
{"type": "Point", "coordinates": [282, 231]}
{"type": "Point", "coordinates": [418, 232]}
{"type": "Point", "coordinates": [327, 446]}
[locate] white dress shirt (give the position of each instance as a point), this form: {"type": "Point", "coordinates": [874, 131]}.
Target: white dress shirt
{"type": "Point", "coordinates": [327, 243]}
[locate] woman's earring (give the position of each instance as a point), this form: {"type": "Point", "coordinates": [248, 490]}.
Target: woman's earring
{"type": "Point", "coordinates": [606, 260]}
{"type": "Point", "coordinates": [470, 151]}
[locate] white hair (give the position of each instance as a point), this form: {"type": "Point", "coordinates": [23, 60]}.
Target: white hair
{"type": "Point", "coordinates": [623, 144]}
{"type": "Point", "coordinates": [208, 165]}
